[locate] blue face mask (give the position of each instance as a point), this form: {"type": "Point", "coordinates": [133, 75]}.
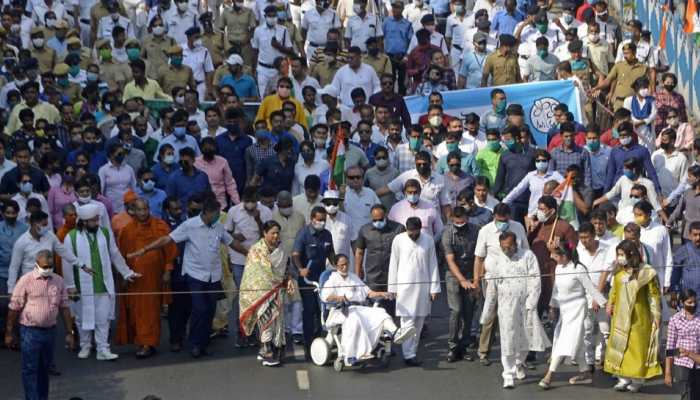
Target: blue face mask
{"type": "Point", "coordinates": [379, 224]}
{"type": "Point", "coordinates": [412, 198]}
{"type": "Point", "coordinates": [452, 147]}
{"type": "Point", "coordinates": [148, 185]}
{"type": "Point", "coordinates": [502, 226]}
{"type": "Point", "coordinates": [180, 132]}
{"type": "Point", "coordinates": [578, 65]}
{"type": "Point", "coordinates": [629, 174]}
{"type": "Point", "coordinates": [542, 166]}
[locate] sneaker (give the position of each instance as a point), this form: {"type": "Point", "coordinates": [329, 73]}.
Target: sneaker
{"type": "Point", "coordinates": [508, 384]}
{"type": "Point", "coordinates": [298, 338]}
{"type": "Point", "coordinates": [634, 387]}
{"type": "Point", "coordinates": [85, 352]}
{"type": "Point", "coordinates": [544, 385]}
{"type": "Point", "coordinates": [520, 373]}
{"type": "Point", "coordinates": [402, 334]}
{"type": "Point", "coordinates": [484, 361]}
{"type": "Point", "coordinates": [106, 355]}
{"type": "Point", "coordinates": [583, 379]}
{"type": "Point", "coordinates": [621, 385]}
{"type": "Point", "coordinates": [270, 361]}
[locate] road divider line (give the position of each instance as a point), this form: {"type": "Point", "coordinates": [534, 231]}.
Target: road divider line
{"type": "Point", "coordinates": [303, 379]}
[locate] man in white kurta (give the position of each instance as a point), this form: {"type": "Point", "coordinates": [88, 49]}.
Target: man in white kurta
{"type": "Point", "coordinates": [96, 251]}
{"type": "Point", "coordinates": [520, 327]}
{"type": "Point", "coordinates": [414, 279]}
{"type": "Point", "coordinates": [339, 225]}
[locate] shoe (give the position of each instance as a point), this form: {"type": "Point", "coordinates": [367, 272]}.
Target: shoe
{"type": "Point", "coordinates": [544, 385]}
{"type": "Point", "coordinates": [176, 347]}
{"type": "Point", "coordinates": [402, 334]}
{"type": "Point", "coordinates": [259, 357]}
{"type": "Point", "coordinates": [297, 338]}
{"type": "Point", "coordinates": [53, 371]}
{"type": "Point", "coordinates": [520, 373]}
{"type": "Point", "coordinates": [468, 356]}
{"type": "Point", "coordinates": [452, 356]}
{"type": "Point", "coordinates": [84, 352]}
{"type": "Point", "coordinates": [196, 352]}
{"type": "Point", "coordinates": [241, 342]}
{"type": "Point", "coordinates": [508, 384]}
{"type": "Point", "coordinates": [529, 366]}
{"type": "Point", "coordinates": [413, 362]}
{"type": "Point", "coordinates": [582, 379]}
{"type": "Point", "coordinates": [269, 360]}
{"type": "Point", "coordinates": [106, 355]}
{"type": "Point", "coordinates": [634, 387]}
{"type": "Point", "coordinates": [484, 361]}
{"type": "Point", "coordinates": [531, 356]}
{"type": "Point", "coordinates": [145, 352]}
{"type": "Point", "coordinates": [621, 385]}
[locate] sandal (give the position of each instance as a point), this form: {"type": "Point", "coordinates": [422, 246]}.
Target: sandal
{"type": "Point", "coordinates": [544, 384]}
{"type": "Point", "coordinates": [583, 379]}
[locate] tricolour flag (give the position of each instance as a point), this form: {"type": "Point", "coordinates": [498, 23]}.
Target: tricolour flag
{"type": "Point", "coordinates": [691, 10]}
{"type": "Point", "coordinates": [567, 208]}
{"type": "Point", "coordinates": [337, 164]}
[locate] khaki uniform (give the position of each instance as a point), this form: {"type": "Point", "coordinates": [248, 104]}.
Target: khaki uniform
{"type": "Point", "coordinates": [587, 78]}
{"type": "Point", "coordinates": [238, 28]}
{"type": "Point", "coordinates": [170, 77]}
{"type": "Point", "coordinates": [115, 74]}
{"type": "Point", "coordinates": [624, 75]}
{"type": "Point", "coordinates": [504, 70]}
{"type": "Point", "coordinates": [381, 63]}
{"type": "Point", "coordinates": [72, 92]}
{"type": "Point", "coordinates": [46, 57]}
{"type": "Point", "coordinates": [85, 58]}
{"type": "Point", "coordinates": [215, 44]}
{"type": "Point", "coordinates": [153, 50]}
{"type": "Point", "coordinates": [295, 36]}
{"type": "Point", "coordinates": [98, 11]}
{"type": "Point", "coordinates": [324, 72]}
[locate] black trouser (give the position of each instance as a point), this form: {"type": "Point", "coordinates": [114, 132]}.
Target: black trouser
{"type": "Point", "coordinates": [688, 381]}
{"type": "Point", "coordinates": [462, 306]}
{"type": "Point", "coordinates": [311, 316]}
{"type": "Point", "coordinates": [398, 69]}
{"type": "Point", "coordinates": [179, 310]}
{"type": "Point", "coordinates": [518, 211]}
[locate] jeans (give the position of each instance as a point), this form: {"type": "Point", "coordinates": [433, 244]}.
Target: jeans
{"type": "Point", "coordinates": [179, 310]}
{"type": "Point", "coordinates": [311, 315]}
{"type": "Point", "coordinates": [462, 309]}
{"type": "Point", "coordinates": [4, 301]}
{"type": "Point", "coordinates": [203, 308]}
{"type": "Point", "coordinates": [37, 350]}
{"type": "Point", "coordinates": [237, 271]}
{"type": "Point", "coordinates": [688, 381]}
{"type": "Point", "coordinates": [399, 71]}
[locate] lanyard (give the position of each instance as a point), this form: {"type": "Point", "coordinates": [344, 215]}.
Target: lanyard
{"type": "Point", "coordinates": [479, 63]}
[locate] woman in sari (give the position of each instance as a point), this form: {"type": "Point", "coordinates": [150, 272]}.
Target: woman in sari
{"type": "Point", "coordinates": [264, 285]}
{"type": "Point", "coordinates": [635, 310]}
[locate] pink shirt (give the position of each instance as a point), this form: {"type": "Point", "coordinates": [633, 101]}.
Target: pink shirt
{"type": "Point", "coordinates": [59, 197]}
{"type": "Point", "coordinates": [220, 178]}
{"type": "Point", "coordinates": [116, 181]}
{"type": "Point", "coordinates": [431, 222]}
{"type": "Point", "coordinates": [685, 135]}
{"type": "Point", "coordinates": [38, 299]}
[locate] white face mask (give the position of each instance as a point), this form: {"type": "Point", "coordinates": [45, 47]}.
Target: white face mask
{"type": "Point", "coordinates": [332, 210]}
{"type": "Point", "coordinates": [51, 22]}
{"type": "Point", "coordinates": [180, 100]}
{"type": "Point", "coordinates": [44, 272]}
{"type": "Point", "coordinates": [271, 21]}
{"type": "Point", "coordinates": [318, 225]}
{"type": "Point", "coordinates": [197, 43]}
{"type": "Point", "coordinates": [286, 211]}
{"type": "Point", "coordinates": [435, 120]}
{"type": "Point", "coordinates": [626, 140]}
{"type": "Point", "coordinates": [356, 8]}
{"type": "Point", "coordinates": [84, 200]}
{"type": "Point", "coordinates": [593, 37]}
{"type": "Point", "coordinates": [38, 42]}
{"type": "Point", "coordinates": [158, 30]}
{"type": "Point", "coordinates": [644, 92]}
{"type": "Point", "coordinates": [622, 260]}
{"type": "Point", "coordinates": [542, 216]}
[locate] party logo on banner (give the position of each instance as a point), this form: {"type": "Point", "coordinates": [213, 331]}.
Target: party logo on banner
{"type": "Point", "coordinates": [542, 113]}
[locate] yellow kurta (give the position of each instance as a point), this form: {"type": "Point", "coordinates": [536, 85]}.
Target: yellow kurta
{"type": "Point", "coordinates": [273, 103]}
{"type": "Point", "coordinates": [42, 110]}
{"type": "Point", "coordinates": [633, 344]}
{"type": "Point", "coordinates": [150, 91]}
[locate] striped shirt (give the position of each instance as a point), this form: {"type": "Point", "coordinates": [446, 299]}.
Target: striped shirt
{"type": "Point", "coordinates": [38, 299]}
{"type": "Point", "coordinates": [684, 333]}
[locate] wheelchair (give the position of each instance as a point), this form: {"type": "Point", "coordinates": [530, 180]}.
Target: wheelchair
{"type": "Point", "coordinates": [329, 347]}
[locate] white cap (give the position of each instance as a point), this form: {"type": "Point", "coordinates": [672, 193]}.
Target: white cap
{"type": "Point", "coordinates": [88, 211]}
{"type": "Point", "coordinates": [234, 59]}
{"type": "Point", "coordinates": [329, 90]}
{"type": "Point", "coordinates": [331, 195]}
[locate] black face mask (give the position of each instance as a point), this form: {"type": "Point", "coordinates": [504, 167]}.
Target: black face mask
{"type": "Point", "coordinates": [455, 169]}
{"type": "Point", "coordinates": [308, 156]}
{"type": "Point", "coordinates": [423, 170]}
{"type": "Point", "coordinates": [666, 146]}
{"type": "Point", "coordinates": [11, 221]}
{"type": "Point", "coordinates": [209, 153]}
{"type": "Point", "coordinates": [414, 237]}
{"type": "Point", "coordinates": [670, 88]}
{"type": "Point", "coordinates": [91, 229]}
{"type": "Point", "coordinates": [690, 309]}
{"type": "Point", "coordinates": [193, 212]}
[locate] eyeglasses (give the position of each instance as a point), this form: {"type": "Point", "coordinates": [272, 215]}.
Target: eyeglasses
{"type": "Point", "coordinates": [380, 158]}
{"type": "Point", "coordinates": [353, 177]}
{"type": "Point", "coordinates": [635, 197]}
{"type": "Point", "coordinates": [364, 131]}
{"type": "Point", "coordinates": [454, 165]}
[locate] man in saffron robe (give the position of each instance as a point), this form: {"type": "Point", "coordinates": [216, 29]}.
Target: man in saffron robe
{"type": "Point", "coordinates": [139, 315]}
{"type": "Point", "coordinates": [69, 217]}
{"type": "Point", "coordinates": [122, 219]}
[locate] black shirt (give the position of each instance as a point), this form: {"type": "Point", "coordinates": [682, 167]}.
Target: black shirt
{"type": "Point", "coordinates": [8, 185]}
{"type": "Point", "coordinates": [462, 243]}
{"type": "Point", "coordinates": [377, 246]}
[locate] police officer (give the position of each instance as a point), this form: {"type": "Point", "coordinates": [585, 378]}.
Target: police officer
{"type": "Point", "coordinates": [362, 26]}
{"type": "Point", "coordinates": [175, 73]}
{"type": "Point", "coordinates": [326, 69]}
{"type": "Point", "coordinates": [69, 90]}
{"type": "Point", "coordinates": [155, 46]}
{"type": "Point", "coordinates": [270, 40]}
{"type": "Point", "coordinates": [44, 54]}
{"type": "Point", "coordinates": [106, 24]}
{"type": "Point", "coordinates": [624, 73]}
{"type": "Point", "coordinates": [198, 58]}
{"type": "Point", "coordinates": [180, 21]}
{"type": "Point", "coordinates": [236, 25]}
{"type": "Point", "coordinates": [213, 41]}
{"type": "Point", "coordinates": [315, 25]}
{"type": "Point", "coordinates": [116, 75]}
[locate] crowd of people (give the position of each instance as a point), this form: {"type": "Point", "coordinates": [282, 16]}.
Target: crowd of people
{"type": "Point", "coordinates": [139, 176]}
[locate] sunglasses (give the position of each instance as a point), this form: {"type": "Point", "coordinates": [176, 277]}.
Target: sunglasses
{"type": "Point", "coordinates": [453, 165]}
{"type": "Point", "coordinates": [353, 177]}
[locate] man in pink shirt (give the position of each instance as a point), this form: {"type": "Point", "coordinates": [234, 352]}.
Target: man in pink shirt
{"type": "Point", "coordinates": [218, 172]}
{"type": "Point", "coordinates": [36, 300]}
{"type": "Point", "coordinates": [413, 206]}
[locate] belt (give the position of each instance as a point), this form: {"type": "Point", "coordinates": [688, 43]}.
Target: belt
{"type": "Point", "coordinates": [85, 21]}
{"type": "Point", "coordinates": [312, 44]}
{"type": "Point", "coordinates": [198, 82]}
{"type": "Point", "coordinates": [41, 328]}
{"type": "Point", "coordinates": [457, 47]}
{"type": "Point", "coordinates": [620, 98]}
{"type": "Point", "coordinates": [524, 57]}
{"type": "Point", "coordinates": [265, 65]}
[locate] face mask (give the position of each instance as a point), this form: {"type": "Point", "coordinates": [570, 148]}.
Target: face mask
{"type": "Point", "coordinates": [452, 146]}
{"type": "Point", "coordinates": [106, 54]}
{"type": "Point", "coordinates": [357, 9]}
{"type": "Point", "coordinates": [626, 35]}
{"type": "Point", "coordinates": [176, 61]}
{"type": "Point", "coordinates": [38, 42]}
{"type": "Point", "coordinates": [412, 198]}
{"type": "Point", "coordinates": [15, 28]}
{"type": "Point", "coordinates": [26, 187]}
{"type": "Point", "coordinates": [158, 30]}
{"type": "Point", "coordinates": [578, 65]}
{"type": "Point", "coordinates": [629, 174]}
{"type": "Point", "coordinates": [542, 53]}
{"type": "Point", "coordinates": [625, 141]}
{"type": "Point", "coordinates": [542, 28]}
{"type": "Point", "coordinates": [593, 144]}
{"type": "Point", "coordinates": [270, 21]}
{"type": "Point", "coordinates": [148, 185]}
{"type": "Point", "coordinates": [308, 156]}
{"type": "Point", "coordinates": [182, 7]}
{"type": "Point", "coordinates": [670, 88]}
{"type": "Point", "coordinates": [459, 8]}
{"type": "Point", "coordinates": [435, 120]}
{"type": "Point", "coordinates": [493, 145]}
{"type": "Point", "coordinates": [667, 146]}
{"type": "Point", "coordinates": [133, 54]}
{"type": "Point", "coordinates": [119, 158]}
{"type": "Point", "coordinates": [197, 43]}
{"type": "Point", "coordinates": [84, 200]}
{"type": "Point", "coordinates": [373, 51]}
{"type": "Point", "coordinates": [568, 142]}
{"type": "Point", "coordinates": [286, 211]}
{"type": "Point", "coordinates": [320, 143]}
{"type": "Point", "coordinates": [458, 226]}
{"type": "Point", "coordinates": [169, 159]}
{"type": "Point", "coordinates": [644, 92]}
{"type": "Point", "coordinates": [379, 224]}
{"type": "Point", "coordinates": [542, 216]}
{"type": "Point", "coordinates": [509, 252]}
{"type": "Point", "coordinates": [502, 226]}
{"type": "Point", "coordinates": [622, 260]}
{"type": "Point", "coordinates": [44, 272]}
{"type": "Point", "coordinates": [332, 209]}
{"type": "Point", "coordinates": [250, 206]}
{"type": "Point", "coordinates": [689, 308]}
{"type": "Point", "coordinates": [542, 166]}
{"type": "Point", "coordinates": [568, 18]}
{"type": "Point", "coordinates": [180, 132]}
{"type": "Point", "coordinates": [414, 143]}
{"type": "Point", "coordinates": [601, 14]}
{"type": "Point", "coordinates": [674, 122]}
{"type": "Point", "coordinates": [318, 225]}
{"type": "Point", "coordinates": [593, 37]}
{"type": "Point", "coordinates": [501, 107]}
{"type": "Point", "coordinates": [91, 76]}
{"type": "Point", "coordinates": [281, 15]}
{"type": "Point", "coordinates": [43, 230]}
{"type": "Point", "coordinates": [63, 82]}
{"type": "Point", "coordinates": [11, 221]}
{"type": "Point", "coordinates": [383, 163]}
{"type": "Point", "coordinates": [641, 220]}
{"type": "Point", "coordinates": [74, 70]}
{"type": "Point", "coordinates": [510, 144]}
{"type": "Point", "coordinates": [423, 170]}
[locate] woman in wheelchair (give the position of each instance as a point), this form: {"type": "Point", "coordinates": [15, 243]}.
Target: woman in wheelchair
{"type": "Point", "coordinates": [362, 327]}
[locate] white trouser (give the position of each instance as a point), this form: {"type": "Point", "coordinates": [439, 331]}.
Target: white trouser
{"type": "Point", "coordinates": [456, 57]}
{"type": "Point", "coordinates": [85, 30]}
{"type": "Point", "coordinates": [594, 347]}
{"type": "Point", "coordinates": [556, 361]}
{"type": "Point", "coordinates": [511, 364]}
{"type": "Point", "coordinates": [264, 75]}
{"type": "Point", "coordinates": [310, 51]}
{"type": "Point", "coordinates": [103, 308]}
{"type": "Point", "coordinates": [202, 90]}
{"type": "Point", "coordinates": [293, 315]}
{"type": "Point", "coordinates": [410, 346]}
{"type": "Point", "coordinates": [522, 63]}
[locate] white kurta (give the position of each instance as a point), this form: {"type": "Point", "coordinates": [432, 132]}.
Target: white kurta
{"type": "Point", "coordinates": [341, 230]}
{"type": "Point", "coordinates": [363, 326]}
{"type": "Point", "coordinates": [571, 286]}
{"type": "Point", "coordinates": [413, 274]}
{"type": "Point", "coordinates": [109, 255]}
{"type": "Point", "coordinates": [520, 327]}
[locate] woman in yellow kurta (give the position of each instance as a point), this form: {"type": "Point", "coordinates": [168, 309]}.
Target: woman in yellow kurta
{"type": "Point", "coordinates": [635, 310]}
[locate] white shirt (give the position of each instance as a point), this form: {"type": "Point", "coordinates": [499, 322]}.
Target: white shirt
{"type": "Point", "coordinates": [238, 220]}
{"type": "Point", "coordinates": [669, 168]}
{"type": "Point", "coordinates": [262, 42]}
{"type": "Point", "coordinates": [24, 255]}
{"type": "Point", "coordinates": [358, 30]}
{"type": "Point", "coordinates": [346, 79]}
{"type": "Point", "coordinates": [468, 41]}
{"type": "Point", "coordinates": [656, 237]}
{"type": "Point", "coordinates": [358, 206]}
{"type": "Point", "coordinates": [491, 7]}
{"type": "Point", "coordinates": [623, 186]}
{"type": "Point", "coordinates": [535, 182]}
{"type": "Point", "coordinates": [644, 53]}
{"type": "Point", "coordinates": [413, 14]}
{"type": "Point", "coordinates": [433, 190]}
{"type": "Point", "coordinates": [38, 8]}
{"type": "Point", "coordinates": [202, 260]}
{"type": "Point", "coordinates": [301, 171]}
{"type": "Point", "coordinates": [301, 205]}
{"type": "Point", "coordinates": [22, 202]}
{"type": "Point", "coordinates": [317, 25]}
{"type": "Point", "coordinates": [299, 86]}
{"type": "Point", "coordinates": [455, 29]}
{"type": "Point", "coordinates": [488, 245]}
{"type": "Point", "coordinates": [107, 24]}
{"type": "Point", "coordinates": [341, 229]}
{"type": "Point", "coordinates": [530, 34]}
{"type": "Point", "coordinates": [436, 39]}
{"type": "Point", "coordinates": [199, 60]}
{"type": "Point", "coordinates": [465, 144]}
{"type": "Point", "coordinates": [594, 263]}
{"type": "Point", "coordinates": [178, 23]}
{"type": "Point", "coordinates": [490, 203]}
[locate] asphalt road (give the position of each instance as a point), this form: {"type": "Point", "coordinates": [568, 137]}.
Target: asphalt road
{"type": "Point", "coordinates": [232, 373]}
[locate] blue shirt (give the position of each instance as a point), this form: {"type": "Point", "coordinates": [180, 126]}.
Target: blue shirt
{"type": "Point", "coordinates": [155, 199]}
{"type": "Point", "coordinates": [599, 166]}
{"type": "Point", "coordinates": [244, 87]}
{"type": "Point", "coordinates": [369, 151]}
{"type": "Point", "coordinates": [183, 186]}
{"type": "Point", "coordinates": [440, 6]}
{"type": "Point", "coordinates": [473, 68]}
{"type": "Point", "coordinates": [468, 162]}
{"type": "Point", "coordinates": [233, 150]}
{"type": "Point", "coordinates": [686, 271]}
{"type": "Point", "coordinates": [504, 23]}
{"type": "Point", "coordinates": [295, 142]}
{"type": "Point", "coordinates": [97, 159]}
{"type": "Point", "coordinates": [276, 175]}
{"type": "Point", "coordinates": [8, 237]}
{"type": "Point", "coordinates": [397, 35]}
{"type": "Point", "coordinates": [187, 141]}
{"type": "Point", "coordinates": [162, 176]}
{"type": "Point", "coordinates": [619, 154]}
{"type": "Point", "coordinates": [202, 259]}
{"type": "Point", "coordinates": [60, 47]}
{"type": "Point", "coordinates": [313, 248]}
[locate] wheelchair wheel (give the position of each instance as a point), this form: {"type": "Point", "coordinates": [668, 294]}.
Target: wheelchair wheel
{"type": "Point", "coordinates": [385, 360]}
{"type": "Point", "coordinates": [338, 365]}
{"type": "Point", "coordinates": [320, 352]}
